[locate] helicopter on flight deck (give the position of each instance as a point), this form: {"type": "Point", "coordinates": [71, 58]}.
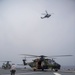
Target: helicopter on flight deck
{"type": "Point", "coordinates": [6, 64]}
{"type": "Point", "coordinates": [46, 15]}
{"type": "Point", "coordinates": [42, 63]}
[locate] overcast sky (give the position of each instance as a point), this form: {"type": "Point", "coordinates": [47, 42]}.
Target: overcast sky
{"type": "Point", "coordinates": [23, 31]}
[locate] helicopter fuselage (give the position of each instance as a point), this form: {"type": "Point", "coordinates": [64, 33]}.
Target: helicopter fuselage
{"type": "Point", "coordinates": [47, 16]}
{"type": "Point", "coordinates": [45, 64]}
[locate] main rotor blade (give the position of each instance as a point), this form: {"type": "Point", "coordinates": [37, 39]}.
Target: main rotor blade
{"type": "Point", "coordinates": [46, 11]}
{"type": "Point", "coordinates": [29, 55]}
{"type": "Point", "coordinates": [46, 56]}
{"type": "Point", "coordinates": [34, 55]}
{"type": "Point", "coordinates": [60, 56]}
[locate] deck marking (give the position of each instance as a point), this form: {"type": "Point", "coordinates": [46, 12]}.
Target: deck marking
{"type": "Point", "coordinates": [57, 73]}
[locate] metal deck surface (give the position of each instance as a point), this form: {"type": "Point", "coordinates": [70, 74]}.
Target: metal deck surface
{"type": "Point", "coordinates": [30, 72]}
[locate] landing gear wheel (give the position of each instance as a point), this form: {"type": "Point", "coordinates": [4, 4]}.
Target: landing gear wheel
{"type": "Point", "coordinates": [34, 69]}
{"type": "Point", "coordinates": [56, 70]}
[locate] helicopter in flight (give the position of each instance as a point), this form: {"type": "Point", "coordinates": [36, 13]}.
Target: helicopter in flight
{"type": "Point", "coordinates": [42, 62]}
{"type": "Point", "coordinates": [6, 64]}
{"type": "Point", "coordinates": [46, 15]}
